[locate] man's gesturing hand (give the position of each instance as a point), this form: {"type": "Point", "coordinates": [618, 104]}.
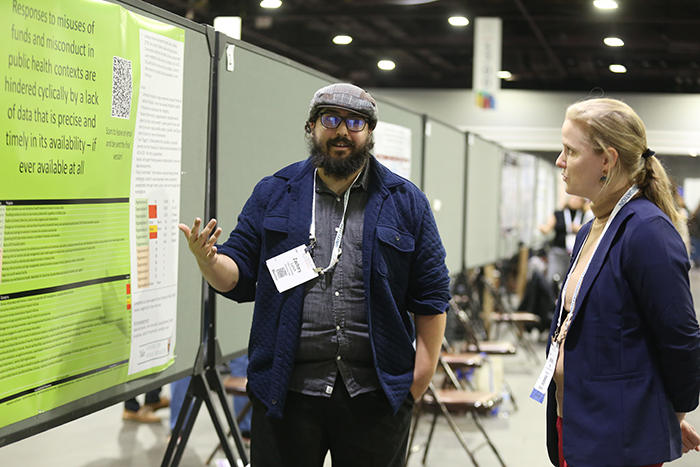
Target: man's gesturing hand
{"type": "Point", "coordinates": [202, 244]}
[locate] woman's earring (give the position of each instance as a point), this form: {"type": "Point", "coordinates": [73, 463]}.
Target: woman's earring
{"type": "Point", "coordinates": [603, 179]}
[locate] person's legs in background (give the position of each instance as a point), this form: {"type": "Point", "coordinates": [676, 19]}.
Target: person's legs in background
{"type": "Point", "coordinates": [178, 390]}
{"type": "Point", "coordinates": [155, 401]}
{"type": "Point", "coordinates": [133, 411]}
{"type": "Point", "coordinates": [132, 405]}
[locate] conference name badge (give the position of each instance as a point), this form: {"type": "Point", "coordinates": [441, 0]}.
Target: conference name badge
{"type": "Point", "coordinates": [547, 374]}
{"type": "Point", "coordinates": [292, 268]}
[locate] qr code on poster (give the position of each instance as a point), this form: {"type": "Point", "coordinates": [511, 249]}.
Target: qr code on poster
{"type": "Point", "coordinates": [121, 88]}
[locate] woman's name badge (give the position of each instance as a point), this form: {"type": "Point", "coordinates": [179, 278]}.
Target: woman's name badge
{"type": "Point", "coordinates": [547, 374]}
{"type": "Point", "coordinates": [292, 268]}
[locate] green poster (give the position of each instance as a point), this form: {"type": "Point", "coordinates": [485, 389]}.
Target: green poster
{"type": "Point", "coordinates": [91, 122]}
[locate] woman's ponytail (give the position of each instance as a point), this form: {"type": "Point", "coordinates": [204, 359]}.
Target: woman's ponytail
{"type": "Point", "coordinates": [652, 180]}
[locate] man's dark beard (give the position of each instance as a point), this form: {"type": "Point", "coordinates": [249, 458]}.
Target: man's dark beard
{"type": "Point", "coordinates": [339, 168]}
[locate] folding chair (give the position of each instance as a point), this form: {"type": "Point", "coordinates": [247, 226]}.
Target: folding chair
{"type": "Point", "coordinates": [235, 386]}
{"type": "Point", "coordinates": [461, 361]}
{"type": "Point", "coordinates": [453, 401]}
{"type": "Point", "coordinates": [516, 319]}
{"type": "Point", "coordinates": [475, 345]}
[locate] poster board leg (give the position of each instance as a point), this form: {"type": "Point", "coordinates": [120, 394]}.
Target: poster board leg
{"type": "Point", "coordinates": [222, 434]}
{"type": "Point", "coordinates": [217, 386]}
{"type": "Point", "coordinates": [187, 430]}
{"type": "Point", "coordinates": [199, 391]}
{"type": "Point", "coordinates": [183, 426]}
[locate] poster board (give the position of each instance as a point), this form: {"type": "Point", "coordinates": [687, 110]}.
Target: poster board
{"type": "Point", "coordinates": [483, 199]}
{"type": "Point", "coordinates": [444, 178]}
{"type": "Point", "coordinates": [106, 124]}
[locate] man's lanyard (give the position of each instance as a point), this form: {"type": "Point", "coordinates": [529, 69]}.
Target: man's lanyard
{"type": "Point", "coordinates": [335, 254]}
{"type": "Point", "coordinates": [547, 373]}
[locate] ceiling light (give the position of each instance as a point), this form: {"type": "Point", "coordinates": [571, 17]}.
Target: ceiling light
{"type": "Point", "coordinates": [618, 68]}
{"type": "Point", "coordinates": [613, 42]}
{"type": "Point", "coordinates": [386, 65]}
{"type": "Point", "coordinates": [504, 74]}
{"type": "Point", "coordinates": [458, 21]}
{"type": "Point", "coordinates": [271, 3]}
{"type": "Point", "coordinates": [605, 4]}
{"type": "Point", "coordinates": [342, 40]}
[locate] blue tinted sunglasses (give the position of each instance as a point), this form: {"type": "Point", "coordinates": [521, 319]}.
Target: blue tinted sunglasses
{"type": "Point", "coordinates": [332, 121]}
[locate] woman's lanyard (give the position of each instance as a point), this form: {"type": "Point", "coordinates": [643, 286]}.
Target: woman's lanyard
{"type": "Point", "coordinates": [335, 254]}
{"type": "Point", "coordinates": [550, 365]}
{"type": "Point", "coordinates": [624, 200]}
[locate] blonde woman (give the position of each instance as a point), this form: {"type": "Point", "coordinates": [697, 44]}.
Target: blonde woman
{"type": "Point", "coordinates": [624, 337]}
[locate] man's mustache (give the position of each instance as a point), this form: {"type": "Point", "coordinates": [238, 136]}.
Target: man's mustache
{"type": "Point", "coordinates": [341, 140]}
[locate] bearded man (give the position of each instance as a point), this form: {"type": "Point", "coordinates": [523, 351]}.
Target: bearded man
{"type": "Point", "coordinates": [347, 270]}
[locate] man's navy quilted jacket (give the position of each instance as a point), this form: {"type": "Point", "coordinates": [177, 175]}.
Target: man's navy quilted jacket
{"type": "Point", "coordinates": [403, 267]}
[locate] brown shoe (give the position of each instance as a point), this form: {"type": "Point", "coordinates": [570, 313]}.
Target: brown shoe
{"type": "Point", "coordinates": [144, 415]}
{"type": "Point", "coordinates": [161, 404]}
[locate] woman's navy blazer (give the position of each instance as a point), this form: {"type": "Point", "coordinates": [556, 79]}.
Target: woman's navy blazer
{"type": "Point", "coordinates": [632, 353]}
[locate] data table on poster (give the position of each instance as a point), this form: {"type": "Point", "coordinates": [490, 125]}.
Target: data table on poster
{"type": "Point", "coordinates": [156, 234]}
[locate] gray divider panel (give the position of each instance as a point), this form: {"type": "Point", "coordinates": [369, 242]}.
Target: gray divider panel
{"type": "Point", "coordinates": [483, 200]}
{"type": "Point", "coordinates": [444, 185]}
{"type": "Point", "coordinates": [197, 71]}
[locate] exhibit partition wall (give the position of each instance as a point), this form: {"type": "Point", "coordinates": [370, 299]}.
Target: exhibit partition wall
{"type": "Point", "coordinates": [484, 162]}
{"type": "Point", "coordinates": [105, 118]}
{"type": "Point", "coordinates": [444, 185]}
{"type": "Point", "coordinates": [263, 104]}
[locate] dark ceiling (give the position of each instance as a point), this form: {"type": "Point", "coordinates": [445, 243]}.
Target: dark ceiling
{"type": "Point", "coordinates": [547, 44]}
